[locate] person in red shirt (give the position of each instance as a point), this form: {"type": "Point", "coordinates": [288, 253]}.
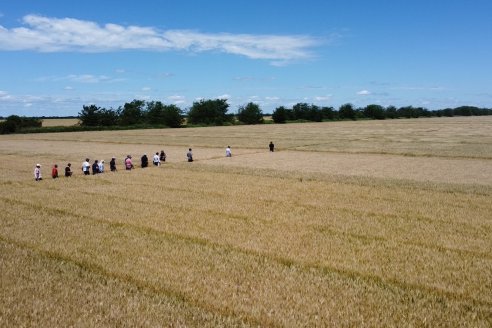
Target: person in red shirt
{"type": "Point", "coordinates": [54, 171]}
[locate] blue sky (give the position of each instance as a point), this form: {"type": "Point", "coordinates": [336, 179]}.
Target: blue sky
{"type": "Point", "coordinates": [56, 56]}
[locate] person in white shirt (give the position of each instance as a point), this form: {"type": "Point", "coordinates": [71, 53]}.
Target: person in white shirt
{"type": "Point", "coordinates": [101, 166]}
{"type": "Point", "coordinates": [37, 172]}
{"type": "Point", "coordinates": [228, 151]}
{"type": "Point", "coordinates": [86, 167]}
{"type": "Point", "coordinates": [156, 160]}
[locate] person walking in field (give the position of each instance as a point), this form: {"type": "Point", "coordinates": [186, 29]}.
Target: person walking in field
{"type": "Point", "coordinates": [37, 173]}
{"type": "Point", "coordinates": [128, 163]}
{"type": "Point", "coordinates": [144, 161]}
{"type": "Point", "coordinates": [156, 160]}
{"type": "Point", "coordinates": [101, 166]}
{"type": "Point", "coordinates": [271, 146]}
{"type": "Point", "coordinates": [68, 170]}
{"type": "Point", "coordinates": [112, 164]}
{"type": "Point", "coordinates": [228, 151]}
{"type": "Point", "coordinates": [189, 155]}
{"type": "Point", "coordinates": [95, 167]}
{"type": "Point", "coordinates": [162, 156]}
{"type": "Point", "coordinates": [54, 171]}
{"type": "Point", "coordinates": [86, 166]}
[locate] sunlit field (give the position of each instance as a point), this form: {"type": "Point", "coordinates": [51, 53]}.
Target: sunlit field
{"type": "Point", "coordinates": [373, 223]}
{"type": "Point", "coordinates": [50, 122]}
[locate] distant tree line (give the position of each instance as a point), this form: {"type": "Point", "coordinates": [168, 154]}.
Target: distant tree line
{"type": "Point", "coordinates": [14, 123]}
{"type": "Point", "coordinates": [307, 112]}
{"type": "Point", "coordinates": [133, 113]}
{"type": "Point", "coordinates": [141, 114]}
{"type": "Point", "coordinates": [216, 112]}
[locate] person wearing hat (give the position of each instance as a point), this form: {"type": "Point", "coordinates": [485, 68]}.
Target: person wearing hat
{"type": "Point", "coordinates": [37, 172]}
{"type": "Point", "coordinates": [101, 166]}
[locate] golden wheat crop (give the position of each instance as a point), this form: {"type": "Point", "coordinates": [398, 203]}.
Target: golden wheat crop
{"type": "Point", "coordinates": [49, 122]}
{"type": "Point", "coordinates": [347, 224]}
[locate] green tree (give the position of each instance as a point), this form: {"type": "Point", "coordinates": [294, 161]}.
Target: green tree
{"type": "Point", "coordinates": [209, 112]}
{"type": "Point", "coordinates": [280, 115]}
{"type": "Point", "coordinates": [173, 116]}
{"type": "Point", "coordinates": [90, 115]}
{"type": "Point", "coordinates": [14, 123]}
{"type": "Point", "coordinates": [346, 111]}
{"type": "Point", "coordinates": [374, 111]}
{"type": "Point", "coordinates": [132, 113]}
{"type": "Point", "coordinates": [390, 112]}
{"type": "Point", "coordinates": [328, 113]}
{"type": "Point", "coordinates": [108, 117]}
{"type": "Point", "coordinates": [250, 114]}
{"type": "Point", "coordinates": [169, 115]}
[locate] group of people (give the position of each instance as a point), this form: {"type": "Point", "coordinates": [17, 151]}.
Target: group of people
{"type": "Point", "coordinates": [54, 171]}
{"type": "Point", "coordinates": [98, 165]}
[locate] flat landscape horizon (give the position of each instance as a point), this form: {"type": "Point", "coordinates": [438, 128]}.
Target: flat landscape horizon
{"type": "Point", "coordinates": [364, 223]}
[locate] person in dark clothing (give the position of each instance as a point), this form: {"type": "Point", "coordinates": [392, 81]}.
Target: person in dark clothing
{"type": "Point", "coordinates": [95, 167]}
{"type": "Point", "coordinates": [189, 155]}
{"type": "Point", "coordinates": [68, 170]}
{"type": "Point", "coordinates": [271, 146]}
{"type": "Point", "coordinates": [112, 164]}
{"type": "Point", "coordinates": [162, 156]}
{"type": "Point", "coordinates": [145, 161]}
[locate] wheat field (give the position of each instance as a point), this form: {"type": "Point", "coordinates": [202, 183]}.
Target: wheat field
{"type": "Point", "coordinates": [370, 224]}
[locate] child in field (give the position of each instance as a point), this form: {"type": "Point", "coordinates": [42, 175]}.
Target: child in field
{"type": "Point", "coordinates": [228, 151]}
{"type": "Point", "coordinates": [271, 146]}
{"type": "Point", "coordinates": [37, 173]}
{"type": "Point", "coordinates": [162, 157]}
{"type": "Point", "coordinates": [101, 166]}
{"type": "Point", "coordinates": [54, 171]}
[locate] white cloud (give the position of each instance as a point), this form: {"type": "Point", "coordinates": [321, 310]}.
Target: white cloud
{"type": "Point", "coordinates": [177, 99]}
{"type": "Point", "coordinates": [323, 98]}
{"type": "Point", "coordinates": [146, 89]}
{"type": "Point", "coordinates": [4, 95]}
{"type": "Point", "coordinates": [364, 93]}
{"type": "Point", "coordinates": [80, 78]}
{"type": "Point", "coordinates": [224, 96]}
{"type": "Point", "coordinates": [47, 34]}
{"type": "Point", "coordinates": [68, 88]}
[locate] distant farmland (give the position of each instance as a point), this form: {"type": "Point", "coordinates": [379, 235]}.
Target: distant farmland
{"type": "Point", "coordinates": [60, 122]}
{"type": "Point", "coordinates": [371, 223]}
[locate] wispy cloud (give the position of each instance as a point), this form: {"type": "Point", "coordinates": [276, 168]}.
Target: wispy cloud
{"type": "Point", "coordinates": [47, 34]}
{"type": "Point", "coordinates": [323, 98]}
{"type": "Point", "coordinates": [81, 78]}
{"type": "Point", "coordinates": [364, 93]}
